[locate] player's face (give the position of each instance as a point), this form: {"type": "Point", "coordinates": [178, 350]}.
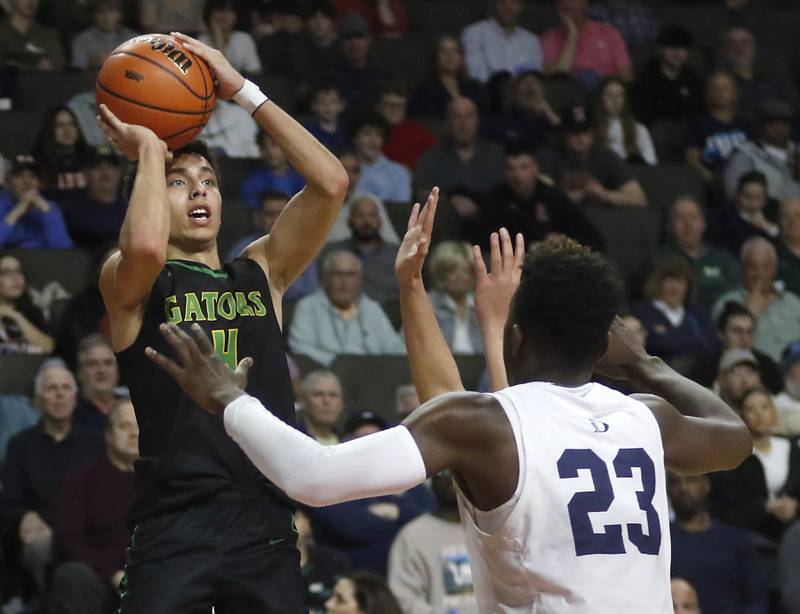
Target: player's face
{"type": "Point", "coordinates": [97, 370]}
{"type": "Point", "coordinates": [195, 201]}
{"type": "Point", "coordinates": [343, 600]}
{"type": "Point", "coordinates": [12, 279]}
{"type": "Point", "coordinates": [738, 333]}
{"type": "Point", "coordinates": [759, 414]}
{"type": "Point", "coordinates": [688, 224]}
{"type": "Point", "coordinates": [58, 395]}
{"type": "Point", "coordinates": [122, 434]}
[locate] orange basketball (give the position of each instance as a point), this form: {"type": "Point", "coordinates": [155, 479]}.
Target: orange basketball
{"type": "Point", "coordinates": [153, 81]}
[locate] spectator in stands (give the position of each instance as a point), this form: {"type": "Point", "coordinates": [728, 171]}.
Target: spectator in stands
{"type": "Point", "coordinates": [429, 567]}
{"type": "Point", "coordinates": [172, 16]}
{"type": "Point", "coordinates": [453, 296]}
{"type": "Point", "coordinates": [788, 569]}
{"type": "Point", "coordinates": [587, 171]}
{"type": "Point", "coordinates": [27, 219]}
{"type": "Point", "coordinates": [339, 319]}
{"type": "Point", "coordinates": [98, 377]}
{"type": "Point", "coordinates": [91, 46]}
{"type": "Point", "coordinates": [634, 20]}
{"type": "Point", "coordinates": [772, 152]}
{"type": "Point", "coordinates": [586, 49]}
{"type": "Point", "coordinates": [23, 328]}
{"type": "Point", "coordinates": [788, 245]}
{"type": "Point", "coordinates": [737, 371]}
{"type": "Point", "coordinates": [528, 203]}
{"type": "Point", "coordinates": [718, 559]}
{"type": "Point", "coordinates": [357, 73]}
{"type": "Point", "coordinates": [777, 311]}
{"type": "Point", "coordinates": [364, 530]}
{"type": "Point", "coordinates": [275, 20]}
{"type": "Point", "coordinates": [530, 119]}
{"type": "Point", "coordinates": [735, 327]}
{"type": "Point", "coordinates": [362, 592]}
{"type": "Point", "coordinates": [314, 50]}
{"type": "Point", "coordinates": [447, 82]}
{"type": "Point", "coordinates": [755, 85]}
{"type": "Point", "coordinates": [341, 230]}
{"type": "Point", "coordinates": [94, 216]}
{"type": "Point", "coordinates": [675, 332]}
{"type": "Point", "coordinates": [376, 255]}
{"type": "Point", "coordinates": [461, 160]}
{"type": "Point", "coordinates": [616, 127]}
{"type": "Point", "coordinates": [322, 406]}
{"type": "Point", "coordinates": [60, 148]}
{"type": "Point", "coordinates": [715, 270]}
{"type": "Point", "coordinates": [327, 105]}
{"type": "Point", "coordinates": [712, 136]}
{"type": "Point", "coordinates": [25, 44]}
{"type": "Point", "coordinates": [787, 402]}
{"type": "Point", "coordinates": [320, 565]}
{"type": "Point", "coordinates": [219, 17]}
{"type": "Point", "coordinates": [406, 400]}
{"type": "Point", "coordinates": [38, 459]}
{"type": "Point", "coordinates": [275, 174]}
{"type": "Point", "coordinates": [407, 140]}
{"type": "Point", "coordinates": [750, 216]}
{"type": "Point", "coordinates": [379, 176]}
{"type": "Point", "coordinates": [499, 43]}
{"type": "Point", "coordinates": [684, 597]}
{"type": "Point", "coordinates": [667, 87]}
{"type": "Point", "coordinates": [231, 132]}
{"type": "Point", "coordinates": [91, 538]}
{"type": "Point", "coordinates": [384, 17]}
{"type": "Point", "coordinates": [762, 493]}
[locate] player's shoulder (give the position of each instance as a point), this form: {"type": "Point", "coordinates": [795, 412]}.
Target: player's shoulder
{"type": "Point", "coordinates": [462, 414]}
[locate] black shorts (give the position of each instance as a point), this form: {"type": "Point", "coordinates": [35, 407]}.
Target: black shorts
{"type": "Point", "coordinates": [218, 554]}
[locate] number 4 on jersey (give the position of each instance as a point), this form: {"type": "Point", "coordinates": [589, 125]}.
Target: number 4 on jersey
{"type": "Point", "coordinates": [601, 498]}
{"type": "Point", "coordinates": [226, 345]}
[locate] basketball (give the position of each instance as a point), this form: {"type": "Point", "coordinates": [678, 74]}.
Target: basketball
{"type": "Point", "coordinates": [153, 81]}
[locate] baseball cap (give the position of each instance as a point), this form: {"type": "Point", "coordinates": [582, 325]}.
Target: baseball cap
{"type": "Point", "coordinates": [358, 419]}
{"type": "Point", "coordinates": [790, 355]}
{"type": "Point", "coordinates": [23, 163]}
{"type": "Point", "coordinates": [353, 24]}
{"type": "Point", "coordinates": [576, 118]}
{"type": "Point", "coordinates": [735, 357]}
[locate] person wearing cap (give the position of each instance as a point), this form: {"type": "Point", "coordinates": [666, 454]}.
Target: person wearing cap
{"type": "Point", "coordinates": [668, 87]}
{"type": "Point", "coordinates": [787, 402]}
{"type": "Point", "coordinates": [95, 215]}
{"type": "Point", "coordinates": [777, 311]}
{"type": "Point", "coordinates": [737, 371]}
{"type": "Point", "coordinates": [356, 72]}
{"type": "Point", "coordinates": [788, 244]}
{"type": "Point", "coordinates": [771, 152]}
{"type": "Point", "coordinates": [91, 46]}
{"type": "Point", "coordinates": [27, 219]}
{"type": "Point", "coordinates": [585, 170]}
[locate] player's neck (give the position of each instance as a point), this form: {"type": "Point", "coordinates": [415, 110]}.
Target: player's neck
{"type": "Point", "coordinates": [531, 369]}
{"type": "Point", "coordinates": [208, 256]}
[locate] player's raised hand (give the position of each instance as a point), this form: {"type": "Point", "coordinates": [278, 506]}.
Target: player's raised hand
{"type": "Point", "coordinates": [495, 288]}
{"type": "Point", "coordinates": [199, 371]}
{"type": "Point", "coordinates": [625, 352]}
{"type": "Point", "coordinates": [127, 138]}
{"type": "Point", "coordinates": [417, 240]}
{"type": "Point", "coordinates": [228, 79]}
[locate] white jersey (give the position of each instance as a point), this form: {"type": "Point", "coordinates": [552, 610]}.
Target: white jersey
{"type": "Point", "coordinates": [587, 530]}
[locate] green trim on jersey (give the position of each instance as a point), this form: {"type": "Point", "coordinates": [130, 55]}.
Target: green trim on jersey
{"type": "Point", "coordinates": [199, 269]}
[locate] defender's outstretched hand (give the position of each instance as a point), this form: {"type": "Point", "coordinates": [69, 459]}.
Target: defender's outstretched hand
{"type": "Point", "coordinates": [228, 79]}
{"type": "Point", "coordinates": [417, 240]}
{"type": "Point", "coordinates": [127, 138]}
{"type": "Point", "coordinates": [199, 371]}
{"type": "Point", "coordinates": [495, 288]}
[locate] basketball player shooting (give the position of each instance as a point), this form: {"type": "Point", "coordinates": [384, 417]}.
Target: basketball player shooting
{"type": "Point", "coordinates": [561, 481]}
{"type": "Point", "coordinates": [209, 529]}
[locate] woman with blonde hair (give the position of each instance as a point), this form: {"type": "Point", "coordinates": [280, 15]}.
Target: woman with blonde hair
{"type": "Point", "coordinates": [617, 128]}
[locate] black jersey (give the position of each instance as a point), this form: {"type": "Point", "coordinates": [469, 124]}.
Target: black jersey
{"type": "Point", "coordinates": [186, 455]}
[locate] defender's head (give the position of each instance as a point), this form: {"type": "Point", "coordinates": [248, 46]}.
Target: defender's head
{"type": "Point", "coordinates": [193, 194]}
{"type": "Point", "coordinates": [562, 310]}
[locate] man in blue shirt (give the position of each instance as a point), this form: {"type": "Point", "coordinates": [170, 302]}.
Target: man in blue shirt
{"type": "Point", "coordinates": [275, 174]}
{"type": "Point", "coordinates": [26, 218]}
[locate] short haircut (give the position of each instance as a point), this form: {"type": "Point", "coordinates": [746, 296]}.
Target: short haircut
{"type": "Point", "coordinates": [310, 380]}
{"type": "Point", "coordinates": [196, 147]}
{"type": "Point", "coordinates": [751, 177]}
{"type": "Point", "coordinates": [327, 262]}
{"type": "Point", "coordinates": [731, 310]}
{"type": "Point", "coordinates": [567, 298]}
{"type": "Point", "coordinates": [92, 341]}
{"type": "Point", "coordinates": [49, 365]}
{"type": "Point", "coordinates": [367, 119]}
{"type": "Point", "coordinates": [671, 267]}
{"type": "Point", "coordinates": [444, 259]}
{"type": "Point", "coordinates": [396, 87]}
{"type": "Point", "coordinates": [754, 243]}
{"type": "Point", "coordinates": [323, 87]}
{"type": "Point", "coordinates": [684, 197]}
{"type": "Point", "coordinates": [514, 150]}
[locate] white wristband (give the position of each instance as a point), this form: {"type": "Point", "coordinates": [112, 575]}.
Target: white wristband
{"type": "Point", "coordinates": [250, 97]}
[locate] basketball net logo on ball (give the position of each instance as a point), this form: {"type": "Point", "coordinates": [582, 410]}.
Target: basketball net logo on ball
{"type": "Point", "coordinates": [154, 81]}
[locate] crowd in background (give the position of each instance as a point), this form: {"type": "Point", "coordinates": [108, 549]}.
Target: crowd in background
{"type": "Point", "coordinates": [542, 117]}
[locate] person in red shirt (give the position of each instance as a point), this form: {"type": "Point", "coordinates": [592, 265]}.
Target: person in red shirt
{"type": "Point", "coordinates": [407, 139]}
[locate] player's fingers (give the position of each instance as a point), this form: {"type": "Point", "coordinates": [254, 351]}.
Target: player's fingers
{"type": "Point", "coordinates": [189, 342]}
{"type": "Point", "coordinates": [175, 337]}
{"type": "Point", "coordinates": [412, 218]}
{"type": "Point", "coordinates": [494, 253]}
{"type": "Point", "coordinates": [243, 370]}
{"type": "Point", "coordinates": [519, 252]}
{"type": "Point", "coordinates": [506, 251]}
{"type": "Point", "coordinates": [170, 366]}
{"type": "Point", "coordinates": [477, 262]}
{"type": "Point", "coordinates": [201, 339]}
{"type": "Point", "coordinates": [112, 120]}
{"type": "Point", "coordinates": [430, 211]}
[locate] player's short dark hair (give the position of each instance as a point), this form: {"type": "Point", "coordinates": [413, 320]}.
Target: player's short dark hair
{"type": "Point", "coordinates": [566, 301]}
{"type": "Point", "coordinates": [196, 147]}
{"type": "Point", "coordinates": [751, 177]}
{"type": "Point", "coordinates": [731, 310]}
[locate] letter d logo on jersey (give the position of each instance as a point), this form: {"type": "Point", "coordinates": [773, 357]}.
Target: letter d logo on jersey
{"type": "Point", "coordinates": [599, 426]}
